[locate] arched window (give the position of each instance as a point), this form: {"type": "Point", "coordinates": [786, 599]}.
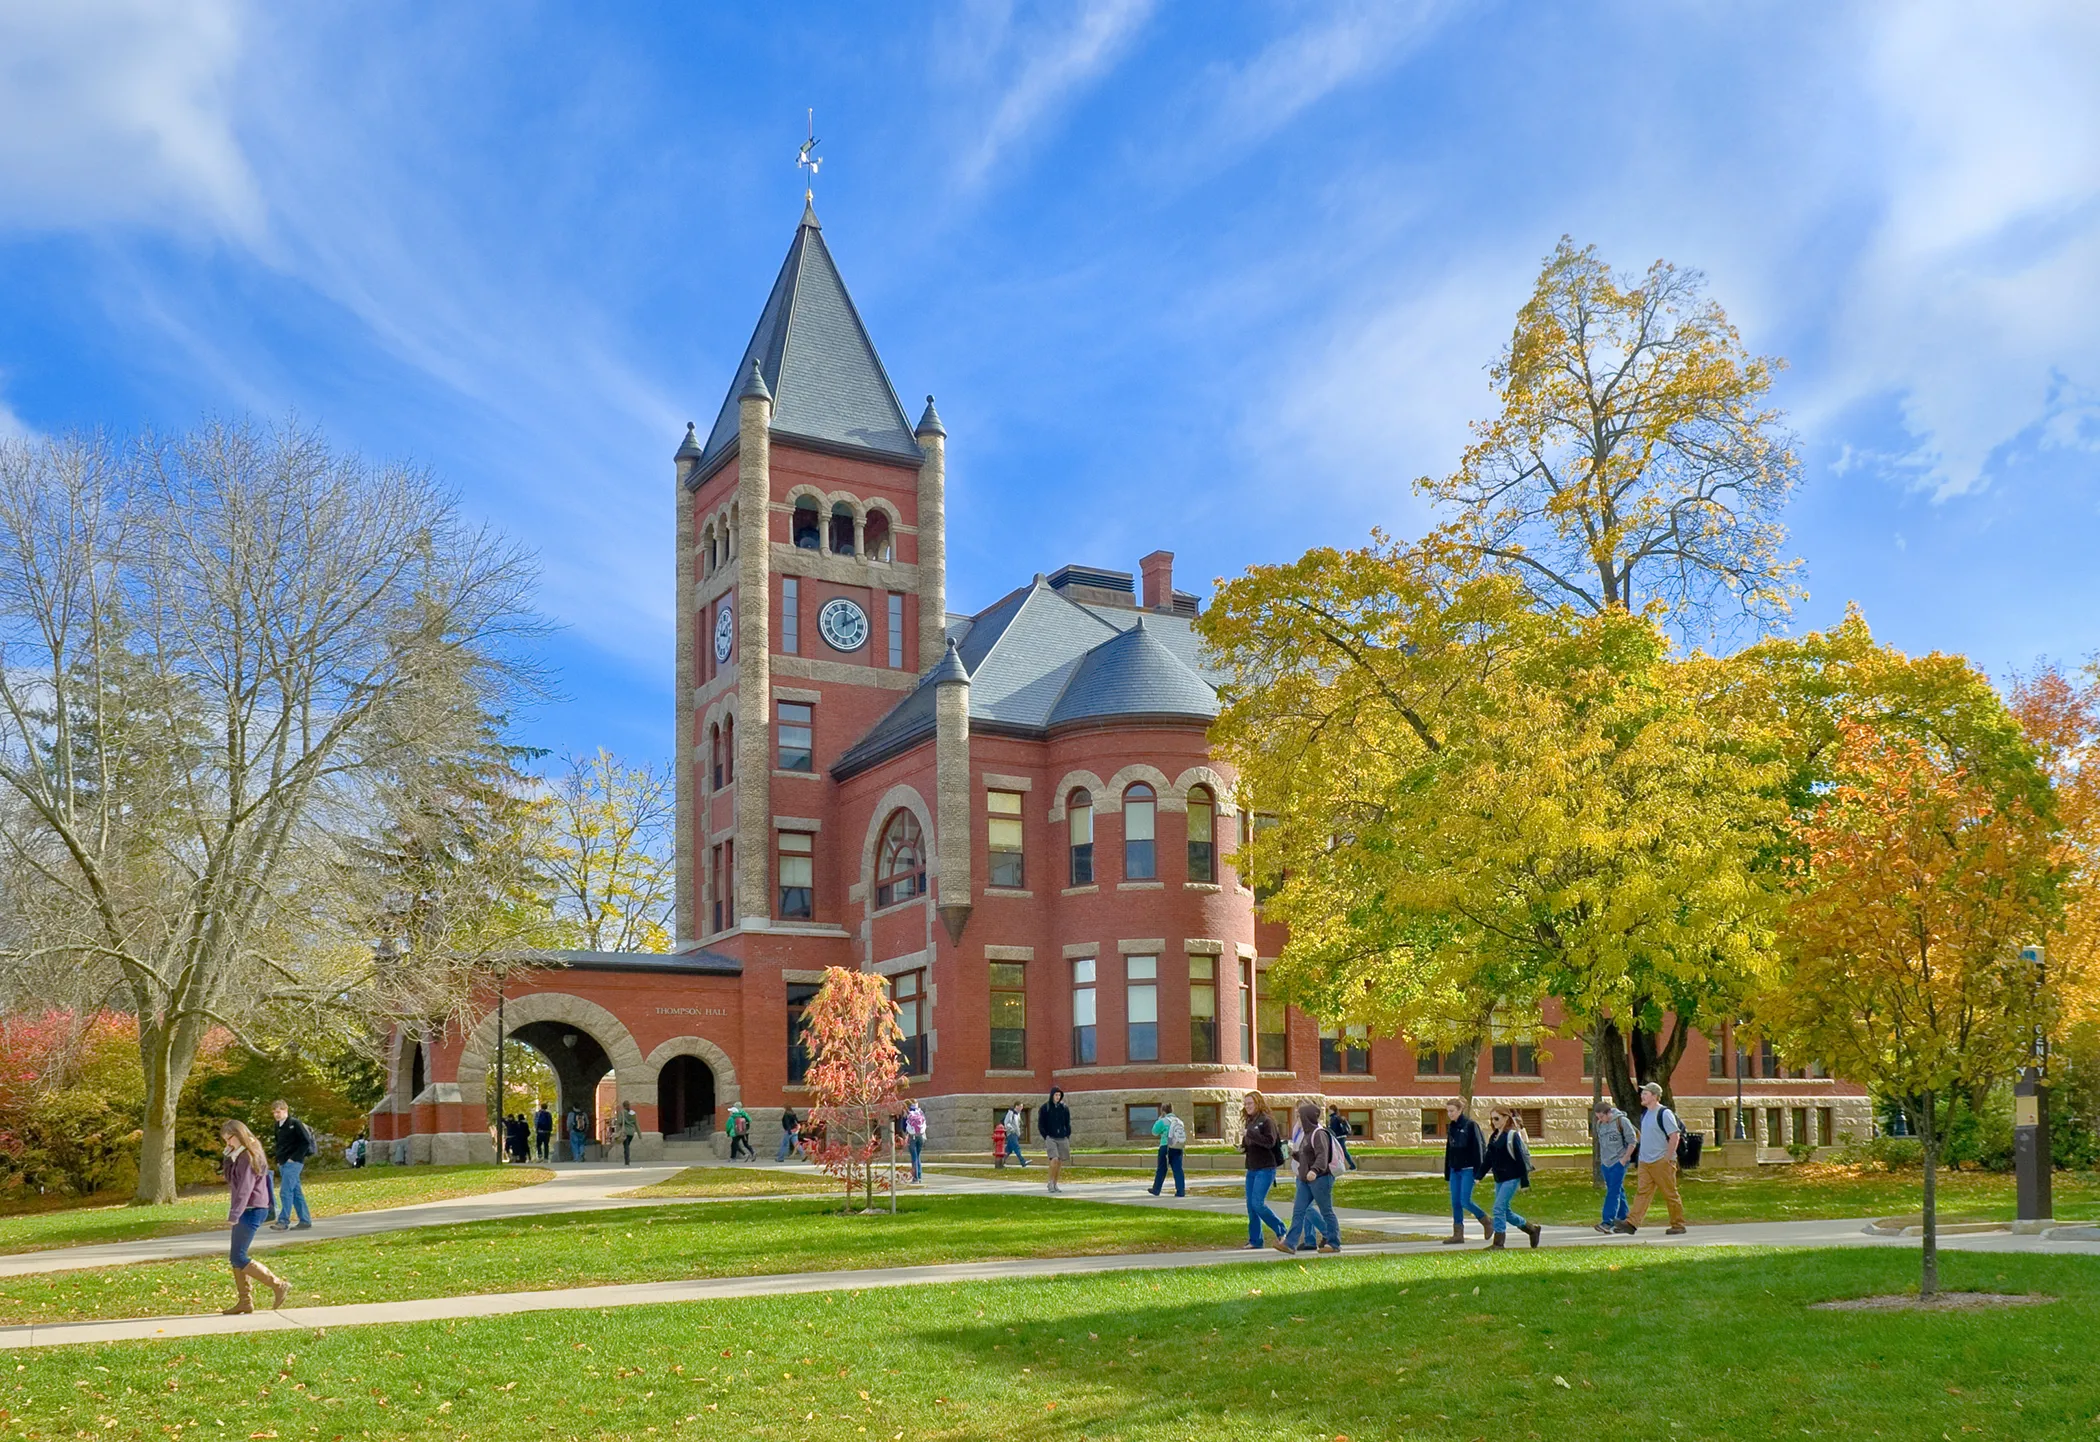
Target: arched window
{"type": "Point", "coordinates": [1140, 814]}
{"type": "Point", "coordinates": [878, 536]}
{"type": "Point", "coordinates": [1079, 815]}
{"type": "Point", "coordinates": [714, 753]}
{"type": "Point", "coordinates": [841, 529]}
{"type": "Point", "coordinates": [1203, 822]}
{"type": "Point", "coordinates": [728, 750]}
{"type": "Point", "coordinates": [707, 551]}
{"type": "Point", "coordinates": [808, 525]}
{"type": "Point", "coordinates": [900, 861]}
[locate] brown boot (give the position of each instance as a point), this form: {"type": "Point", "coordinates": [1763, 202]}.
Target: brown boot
{"type": "Point", "coordinates": [244, 1299]}
{"type": "Point", "coordinates": [1458, 1235]}
{"type": "Point", "coordinates": [279, 1287]}
{"type": "Point", "coordinates": [1534, 1231]}
{"type": "Point", "coordinates": [1486, 1231]}
{"type": "Point", "coordinates": [1496, 1245]}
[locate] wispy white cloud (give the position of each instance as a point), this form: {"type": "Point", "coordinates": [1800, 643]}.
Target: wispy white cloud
{"type": "Point", "coordinates": [1034, 68]}
{"type": "Point", "coordinates": [1340, 45]}
{"type": "Point", "coordinates": [121, 111]}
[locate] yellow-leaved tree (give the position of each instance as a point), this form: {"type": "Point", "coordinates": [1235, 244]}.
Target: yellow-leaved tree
{"type": "Point", "coordinates": [1634, 458]}
{"type": "Point", "coordinates": [610, 855]}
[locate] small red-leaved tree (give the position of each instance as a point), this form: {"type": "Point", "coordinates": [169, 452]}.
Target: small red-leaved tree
{"type": "Point", "coordinates": [856, 1076]}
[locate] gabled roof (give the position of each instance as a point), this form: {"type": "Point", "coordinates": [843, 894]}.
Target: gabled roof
{"type": "Point", "coordinates": [814, 356]}
{"type": "Point", "coordinates": [1037, 659]}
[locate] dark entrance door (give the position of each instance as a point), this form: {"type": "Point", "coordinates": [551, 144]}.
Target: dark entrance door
{"type": "Point", "coordinates": [685, 1098]}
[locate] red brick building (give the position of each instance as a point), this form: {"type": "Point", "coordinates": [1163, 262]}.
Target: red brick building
{"type": "Point", "coordinates": [1013, 815]}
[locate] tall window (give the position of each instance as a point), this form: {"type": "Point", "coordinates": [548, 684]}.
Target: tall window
{"type": "Point", "coordinates": [900, 865]}
{"type": "Point", "coordinates": [798, 866]}
{"type": "Point", "coordinates": [799, 995]}
{"type": "Point", "coordinates": [896, 631]}
{"type": "Point", "coordinates": [790, 614]}
{"type": "Point", "coordinates": [908, 989]}
{"type": "Point", "coordinates": [1246, 1010]}
{"type": "Point", "coordinates": [1345, 1051]}
{"type": "Point", "coordinates": [1009, 1015]}
{"type": "Point", "coordinates": [1141, 1001]}
{"type": "Point", "coordinates": [1079, 815]}
{"type": "Point", "coordinates": [714, 885]}
{"type": "Point", "coordinates": [1140, 810]}
{"type": "Point", "coordinates": [1434, 1063]}
{"type": "Point", "coordinates": [1203, 1008]}
{"type": "Point", "coordinates": [729, 748]}
{"type": "Point", "coordinates": [1083, 1011]}
{"type": "Point", "coordinates": [714, 753]}
{"type": "Point", "coordinates": [875, 535]}
{"type": "Point", "coordinates": [1203, 821]}
{"type": "Point", "coordinates": [1514, 1057]}
{"type": "Point", "coordinates": [1271, 1027]}
{"type": "Point", "coordinates": [1005, 838]}
{"type": "Point", "coordinates": [1263, 889]}
{"type": "Point", "coordinates": [793, 734]}
{"type": "Point", "coordinates": [1716, 1054]}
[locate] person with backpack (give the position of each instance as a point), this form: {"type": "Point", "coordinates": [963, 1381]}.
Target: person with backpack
{"type": "Point", "coordinates": [1053, 1123]}
{"type": "Point", "coordinates": [1338, 1126]}
{"type": "Point", "coordinates": [1261, 1146]}
{"type": "Point", "coordinates": [294, 1146]}
{"type": "Point", "coordinates": [1509, 1161]}
{"type": "Point", "coordinates": [1465, 1158]}
{"type": "Point", "coordinates": [248, 1202]}
{"type": "Point", "coordinates": [1173, 1137]}
{"type": "Point", "coordinates": [914, 1136]}
{"type": "Point", "coordinates": [1014, 1123]}
{"type": "Point", "coordinates": [628, 1127]}
{"type": "Point", "coordinates": [1661, 1135]}
{"type": "Point", "coordinates": [579, 1132]}
{"type": "Point", "coordinates": [790, 1134]}
{"type": "Point", "coordinates": [740, 1132]}
{"type": "Point", "coordinates": [542, 1130]}
{"type": "Point", "coordinates": [1318, 1158]}
{"type": "Point", "coordinates": [1616, 1142]}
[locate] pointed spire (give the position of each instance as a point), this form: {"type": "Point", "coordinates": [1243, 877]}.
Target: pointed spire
{"type": "Point", "coordinates": [809, 211]}
{"type": "Point", "coordinates": [689, 448]}
{"type": "Point", "coordinates": [754, 386]}
{"type": "Point", "coordinates": [951, 670]}
{"type": "Point", "coordinates": [930, 422]}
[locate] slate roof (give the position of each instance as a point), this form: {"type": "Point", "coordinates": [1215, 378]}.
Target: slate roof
{"type": "Point", "coordinates": [1038, 660]}
{"type": "Point", "coordinates": [814, 356]}
{"type": "Point", "coordinates": [694, 962]}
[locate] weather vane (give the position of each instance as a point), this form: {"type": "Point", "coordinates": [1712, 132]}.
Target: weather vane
{"type": "Point", "coordinates": [805, 160]}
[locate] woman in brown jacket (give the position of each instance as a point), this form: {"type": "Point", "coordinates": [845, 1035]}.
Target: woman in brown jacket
{"type": "Point", "coordinates": [1262, 1146]}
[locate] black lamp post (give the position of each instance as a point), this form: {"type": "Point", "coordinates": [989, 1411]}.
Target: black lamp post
{"type": "Point", "coordinates": [502, 1039]}
{"type": "Point", "coordinates": [2031, 1152]}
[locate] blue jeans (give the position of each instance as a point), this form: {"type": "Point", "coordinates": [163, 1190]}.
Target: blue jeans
{"type": "Point", "coordinates": [576, 1145]}
{"type": "Point", "coordinates": [245, 1227]}
{"type": "Point", "coordinates": [1462, 1198]}
{"type": "Point", "coordinates": [1169, 1157]}
{"type": "Point", "coordinates": [1013, 1147]}
{"type": "Point", "coordinates": [1614, 1193]}
{"type": "Point", "coordinates": [1312, 1209]}
{"type": "Point", "coordinates": [787, 1144]}
{"type": "Point", "coordinates": [915, 1145]}
{"type": "Point", "coordinates": [291, 1194]}
{"type": "Point", "coordinates": [1259, 1183]}
{"type": "Point", "coordinates": [1344, 1145]}
{"type": "Point", "coordinates": [1507, 1216]}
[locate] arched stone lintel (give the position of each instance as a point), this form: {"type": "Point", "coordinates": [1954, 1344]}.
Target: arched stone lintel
{"type": "Point", "coordinates": [726, 1088]}
{"type": "Point", "coordinates": [635, 1079]}
{"type": "Point", "coordinates": [1071, 782]}
{"type": "Point", "coordinates": [1152, 776]}
{"type": "Point", "coordinates": [898, 798]}
{"type": "Point", "coordinates": [1220, 788]}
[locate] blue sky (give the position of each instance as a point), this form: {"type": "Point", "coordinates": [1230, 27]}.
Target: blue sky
{"type": "Point", "coordinates": [1222, 278]}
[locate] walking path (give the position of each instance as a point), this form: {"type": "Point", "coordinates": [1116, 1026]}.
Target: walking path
{"type": "Point", "coordinates": [590, 1188]}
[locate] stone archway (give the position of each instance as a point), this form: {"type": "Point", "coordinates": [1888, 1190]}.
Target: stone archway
{"type": "Point", "coordinates": [634, 1077]}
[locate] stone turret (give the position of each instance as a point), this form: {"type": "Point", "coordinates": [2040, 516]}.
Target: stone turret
{"type": "Point", "coordinates": [932, 437]}
{"type": "Point", "coordinates": [951, 762]}
{"type": "Point", "coordinates": [754, 660]}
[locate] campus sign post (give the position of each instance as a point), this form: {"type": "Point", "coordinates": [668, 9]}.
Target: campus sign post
{"type": "Point", "coordinates": [2031, 1156]}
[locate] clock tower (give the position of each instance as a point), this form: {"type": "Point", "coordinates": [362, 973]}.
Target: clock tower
{"type": "Point", "coordinates": [811, 596]}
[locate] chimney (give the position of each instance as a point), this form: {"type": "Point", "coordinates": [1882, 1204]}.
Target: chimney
{"type": "Point", "coordinates": [1158, 570]}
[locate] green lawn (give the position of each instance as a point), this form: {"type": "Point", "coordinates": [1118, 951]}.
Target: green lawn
{"type": "Point", "coordinates": [1562, 1344]}
{"type": "Point", "coordinates": [1038, 1175]}
{"type": "Point", "coordinates": [639, 1245]}
{"type": "Point", "coordinates": [1772, 1194]}
{"type": "Point", "coordinates": [334, 1193]}
{"type": "Point", "coordinates": [739, 1182]}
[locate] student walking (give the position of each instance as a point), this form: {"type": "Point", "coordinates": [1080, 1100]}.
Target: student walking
{"type": "Point", "coordinates": [1013, 1134]}
{"type": "Point", "coordinates": [914, 1136]}
{"type": "Point", "coordinates": [1465, 1158]}
{"type": "Point", "coordinates": [247, 1204]}
{"type": "Point", "coordinates": [1261, 1146]}
{"type": "Point", "coordinates": [739, 1131]}
{"type": "Point", "coordinates": [542, 1130]}
{"type": "Point", "coordinates": [1338, 1126]}
{"type": "Point", "coordinates": [1616, 1142]}
{"type": "Point", "coordinates": [579, 1132]}
{"type": "Point", "coordinates": [1509, 1162]}
{"type": "Point", "coordinates": [1172, 1134]}
{"type": "Point", "coordinates": [1317, 1158]}
{"type": "Point", "coordinates": [629, 1127]}
{"type": "Point", "coordinates": [1660, 1134]}
{"type": "Point", "coordinates": [790, 1134]}
{"type": "Point", "coordinates": [293, 1143]}
{"type": "Point", "coordinates": [1053, 1123]}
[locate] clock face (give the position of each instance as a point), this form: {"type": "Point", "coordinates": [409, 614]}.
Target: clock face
{"type": "Point", "coordinates": [725, 633]}
{"type": "Point", "coordinates": [843, 625]}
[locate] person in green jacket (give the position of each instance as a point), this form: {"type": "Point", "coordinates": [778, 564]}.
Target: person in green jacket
{"type": "Point", "coordinates": [740, 1131]}
{"type": "Point", "coordinates": [627, 1126]}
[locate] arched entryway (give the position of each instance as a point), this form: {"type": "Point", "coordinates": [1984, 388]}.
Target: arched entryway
{"type": "Point", "coordinates": [685, 1098]}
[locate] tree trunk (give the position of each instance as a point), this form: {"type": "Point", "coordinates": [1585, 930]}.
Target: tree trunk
{"type": "Point", "coordinates": [1466, 1058]}
{"type": "Point", "coordinates": [165, 1056]}
{"type": "Point", "coordinates": [1613, 1068]}
{"type": "Point", "coordinates": [1929, 1280]}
